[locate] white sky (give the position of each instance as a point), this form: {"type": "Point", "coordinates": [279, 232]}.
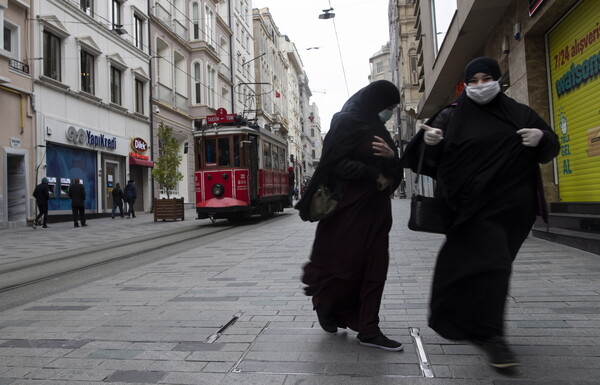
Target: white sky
{"type": "Point", "coordinates": [362, 29]}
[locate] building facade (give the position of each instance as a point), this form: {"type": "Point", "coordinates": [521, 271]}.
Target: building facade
{"type": "Point", "coordinates": [18, 165]}
{"type": "Point", "coordinates": [92, 112]}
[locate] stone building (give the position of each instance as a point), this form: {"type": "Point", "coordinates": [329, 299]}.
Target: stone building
{"type": "Point", "coordinates": [18, 168]}
{"type": "Point", "coordinates": [92, 111]}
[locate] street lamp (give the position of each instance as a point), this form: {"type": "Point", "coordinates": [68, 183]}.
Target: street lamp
{"type": "Point", "coordinates": [327, 14]}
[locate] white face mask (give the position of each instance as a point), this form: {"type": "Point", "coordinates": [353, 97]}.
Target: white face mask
{"type": "Point", "coordinates": [483, 93]}
{"type": "Point", "coordinates": [385, 115]}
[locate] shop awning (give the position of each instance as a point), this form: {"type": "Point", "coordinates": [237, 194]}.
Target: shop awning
{"type": "Point", "coordinates": [140, 162]}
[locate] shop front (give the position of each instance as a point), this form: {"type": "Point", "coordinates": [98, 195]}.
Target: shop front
{"type": "Point", "coordinates": [140, 167]}
{"type": "Point", "coordinates": [573, 48]}
{"type": "Point", "coordinates": [96, 158]}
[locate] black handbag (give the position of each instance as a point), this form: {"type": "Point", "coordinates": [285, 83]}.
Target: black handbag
{"type": "Point", "coordinates": [325, 200]}
{"type": "Point", "coordinates": [428, 214]}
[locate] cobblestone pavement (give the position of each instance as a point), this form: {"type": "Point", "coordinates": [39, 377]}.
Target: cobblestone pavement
{"type": "Point", "coordinates": [232, 312]}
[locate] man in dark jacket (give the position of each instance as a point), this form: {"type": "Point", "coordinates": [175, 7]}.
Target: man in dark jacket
{"type": "Point", "coordinates": [130, 195]}
{"type": "Point", "coordinates": [42, 195]}
{"type": "Point", "coordinates": [117, 196]}
{"type": "Point", "coordinates": [77, 195]}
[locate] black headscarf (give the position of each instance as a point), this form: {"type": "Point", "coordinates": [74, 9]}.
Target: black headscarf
{"type": "Point", "coordinates": [484, 65]}
{"type": "Point", "coordinates": [349, 127]}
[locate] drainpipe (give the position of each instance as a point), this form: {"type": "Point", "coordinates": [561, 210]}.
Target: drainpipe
{"type": "Point", "coordinates": [151, 74]}
{"type": "Point", "coordinates": [231, 58]}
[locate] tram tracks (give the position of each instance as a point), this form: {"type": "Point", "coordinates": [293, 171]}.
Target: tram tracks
{"type": "Point", "coordinates": [38, 269]}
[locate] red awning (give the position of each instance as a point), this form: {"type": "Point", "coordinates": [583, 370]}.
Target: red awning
{"type": "Point", "coordinates": [140, 162]}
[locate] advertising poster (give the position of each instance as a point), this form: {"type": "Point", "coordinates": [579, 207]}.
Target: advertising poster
{"type": "Point", "coordinates": [574, 71]}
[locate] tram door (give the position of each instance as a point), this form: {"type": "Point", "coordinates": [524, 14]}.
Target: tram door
{"type": "Point", "coordinates": [253, 167]}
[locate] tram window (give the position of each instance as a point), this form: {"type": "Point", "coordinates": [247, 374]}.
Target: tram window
{"type": "Point", "coordinates": [236, 151]}
{"type": "Point", "coordinates": [224, 152]}
{"type": "Point", "coordinates": [275, 158]}
{"type": "Point", "coordinates": [282, 160]}
{"type": "Point", "coordinates": [267, 155]}
{"type": "Point", "coordinates": [210, 150]}
{"type": "Point", "coordinates": [199, 153]}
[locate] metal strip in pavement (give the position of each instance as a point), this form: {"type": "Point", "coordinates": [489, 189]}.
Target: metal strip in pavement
{"type": "Point", "coordinates": [213, 337]}
{"type": "Point", "coordinates": [423, 361]}
{"type": "Point", "coordinates": [249, 349]}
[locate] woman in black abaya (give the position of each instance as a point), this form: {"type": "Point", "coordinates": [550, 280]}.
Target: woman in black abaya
{"type": "Point", "coordinates": [349, 260]}
{"type": "Point", "coordinates": [487, 148]}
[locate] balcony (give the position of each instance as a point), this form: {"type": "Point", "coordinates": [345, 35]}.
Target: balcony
{"type": "Point", "coordinates": [181, 101]}
{"type": "Point", "coordinates": [162, 14]}
{"type": "Point", "coordinates": [18, 66]}
{"type": "Point", "coordinates": [165, 94]}
{"type": "Point", "coordinates": [181, 30]}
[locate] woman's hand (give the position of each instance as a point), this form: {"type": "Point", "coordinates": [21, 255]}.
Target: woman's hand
{"type": "Point", "coordinates": [382, 183]}
{"type": "Point", "coordinates": [530, 137]}
{"type": "Point", "coordinates": [382, 149]}
{"type": "Point", "coordinates": [432, 135]}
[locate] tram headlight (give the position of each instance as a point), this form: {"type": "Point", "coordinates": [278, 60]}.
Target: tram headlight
{"type": "Point", "coordinates": [218, 190]}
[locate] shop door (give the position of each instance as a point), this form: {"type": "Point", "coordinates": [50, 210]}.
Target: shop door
{"type": "Point", "coordinates": [112, 177]}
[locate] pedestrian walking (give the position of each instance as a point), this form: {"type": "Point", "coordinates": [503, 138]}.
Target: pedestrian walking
{"type": "Point", "coordinates": [77, 195]}
{"type": "Point", "coordinates": [130, 195]}
{"type": "Point", "coordinates": [117, 197]}
{"type": "Point", "coordinates": [483, 152]}
{"type": "Point", "coordinates": [41, 193]}
{"type": "Point", "coordinates": [349, 260]}
{"type": "Point", "coordinates": [291, 184]}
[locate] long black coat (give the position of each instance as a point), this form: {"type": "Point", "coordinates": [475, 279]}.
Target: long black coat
{"type": "Point", "coordinates": [77, 195]}
{"type": "Point", "coordinates": [491, 180]}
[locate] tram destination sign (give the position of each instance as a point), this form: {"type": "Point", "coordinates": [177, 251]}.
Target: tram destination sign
{"type": "Point", "coordinates": [221, 117]}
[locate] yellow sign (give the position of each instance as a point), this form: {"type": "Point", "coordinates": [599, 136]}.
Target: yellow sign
{"type": "Point", "coordinates": [574, 61]}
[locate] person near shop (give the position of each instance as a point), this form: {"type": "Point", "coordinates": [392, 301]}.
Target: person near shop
{"type": "Point", "coordinates": [349, 260]}
{"type": "Point", "coordinates": [130, 195]}
{"type": "Point", "coordinates": [117, 198]}
{"type": "Point", "coordinates": [77, 195]}
{"type": "Point", "coordinates": [484, 152]}
{"type": "Point", "coordinates": [41, 193]}
{"type": "Point", "coordinates": [292, 185]}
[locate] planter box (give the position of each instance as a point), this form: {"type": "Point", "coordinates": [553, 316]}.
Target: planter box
{"type": "Point", "coordinates": [171, 209]}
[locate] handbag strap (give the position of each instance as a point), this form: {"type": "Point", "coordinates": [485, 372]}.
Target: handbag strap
{"type": "Point", "coordinates": [416, 190]}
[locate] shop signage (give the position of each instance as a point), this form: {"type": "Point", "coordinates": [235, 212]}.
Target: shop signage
{"type": "Point", "coordinates": [138, 156]}
{"type": "Point", "coordinates": [574, 68]}
{"type": "Point", "coordinates": [81, 137]}
{"type": "Point", "coordinates": [221, 117]}
{"type": "Point", "coordinates": [139, 145]}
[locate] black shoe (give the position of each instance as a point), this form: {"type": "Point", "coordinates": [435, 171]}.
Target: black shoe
{"type": "Point", "coordinates": [113, 217]}
{"type": "Point", "coordinates": [83, 225]}
{"type": "Point", "coordinates": [499, 354]}
{"type": "Point", "coordinates": [327, 322]}
{"type": "Point", "coordinates": [382, 342]}
{"type": "Point", "coordinates": [76, 225]}
{"type": "Point", "coordinates": [45, 227]}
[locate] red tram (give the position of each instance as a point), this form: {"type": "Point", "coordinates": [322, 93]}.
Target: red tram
{"type": "Point", "coordinates": [240, 171]}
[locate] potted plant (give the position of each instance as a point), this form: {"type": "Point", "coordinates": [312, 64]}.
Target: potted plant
{"type": "Point", "coordinates": [167, 175]}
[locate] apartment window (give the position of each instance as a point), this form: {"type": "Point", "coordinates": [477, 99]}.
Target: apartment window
{"type": "Point", "coordinates": [115, 85]}
{"type": "Point", "coordinates": [379, 67]}
{"type": "Point", "coordinates": [10, 40]}
{"type": "Point", "coordinates": [87, 6]}
{"type": "Point", "coordinates": [116, 14]}
{"type": "Point", "coordinates": [87, 72]}
{"type": "Point", "coordinates": [139, 96]}
{"type": "Point", "coordinates": [197, 83]}
{"type": "Point", "coordinates": [52, 55]}
{"type": "Point", "coordinates": [138, 29]}
{"type": "Point", "coordinates": [414, 74]}
{"type": "Point", "coordinates": [212, 83]}
{"type": "Point", "coordinates": [196, 21]}
{"type": "Point", "coordinates": [210, 25]}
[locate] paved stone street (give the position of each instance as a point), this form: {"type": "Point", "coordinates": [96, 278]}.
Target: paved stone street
{"type": "Point", "coordinates": [233, 312]}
